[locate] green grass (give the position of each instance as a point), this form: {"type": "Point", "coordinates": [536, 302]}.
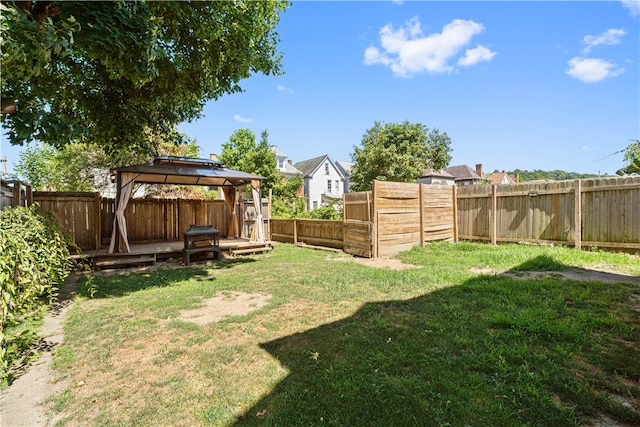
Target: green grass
{"type": "Point", "coordinates": [343, 344]}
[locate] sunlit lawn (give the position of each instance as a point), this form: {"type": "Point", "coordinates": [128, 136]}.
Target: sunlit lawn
{"type": "Point", "coordinates": [453, 342]}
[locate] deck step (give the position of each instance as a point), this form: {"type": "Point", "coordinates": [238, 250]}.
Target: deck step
{"type": "Point", "coordinates": [249, 249]}
{"type": "Point", "coordinates": [123, 259]}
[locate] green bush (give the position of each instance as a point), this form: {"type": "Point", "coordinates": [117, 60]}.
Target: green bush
{"type": "Point", "coordinates": [34, 261]}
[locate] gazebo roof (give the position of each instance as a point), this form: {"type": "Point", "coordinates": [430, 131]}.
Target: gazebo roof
{"type": "Point", "coordinates": [187, 171]}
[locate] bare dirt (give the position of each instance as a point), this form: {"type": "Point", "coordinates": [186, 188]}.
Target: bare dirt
{"type": "Point", "coordinates": [23, 403]}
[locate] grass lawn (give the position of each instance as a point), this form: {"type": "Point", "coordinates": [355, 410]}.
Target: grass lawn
{"type": "Point", "coordinates": [453, 342]}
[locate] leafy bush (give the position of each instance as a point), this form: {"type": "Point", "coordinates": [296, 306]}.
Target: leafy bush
{"type": "Point", "coordinates": [34, 261]}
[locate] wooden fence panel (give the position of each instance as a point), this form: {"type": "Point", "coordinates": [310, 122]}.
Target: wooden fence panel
{"type": "Point", "coordinates": [249, 218]}
{"type": "Point", "coordinates": [283, 230]}
{"type": "Point", "coordinates": [611, 212]}
{"type": "Point", "coordinates": [76, 213]}
{"type": "Point", "coordinates": [437, 212]}
{"type": "Point", "coordinates": [397, 215]}
{"type": "Point", "coordinates": [6, 195]}
{"type": "Point", "coordinates": [358, 206]}
{"type": "Point", "coordinates": [358, 238]}
{"type": "Point", "coordinates": [474, 205]}
{"type": "Point", "coordinates": [318, 232]}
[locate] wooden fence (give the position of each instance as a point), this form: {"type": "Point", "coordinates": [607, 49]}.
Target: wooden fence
{"type": "Point", "coordinates": [15, 193]}
{"type": "Point", "coordinates": [89, 218]}
{"type": "Point", "coordinates": [315, 232]}
{"type": "Point", "coordinates": [595, 212]}
{"type": "Point", "coordinates": [391, 218]}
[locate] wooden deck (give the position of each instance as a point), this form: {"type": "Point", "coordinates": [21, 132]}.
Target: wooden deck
{"type": "Point", "coordinates": [149, 253]}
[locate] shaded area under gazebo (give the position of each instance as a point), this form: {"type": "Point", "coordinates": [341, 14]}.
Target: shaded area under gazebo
{"type": "Point", "coordinates": [185, 171]}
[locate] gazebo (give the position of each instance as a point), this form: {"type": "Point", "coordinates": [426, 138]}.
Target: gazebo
{"type": "Point", "coordinates": [183, 171]}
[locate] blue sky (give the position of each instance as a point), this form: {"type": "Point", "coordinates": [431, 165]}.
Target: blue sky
{"type": "Point", "coordinates": [528, 85]}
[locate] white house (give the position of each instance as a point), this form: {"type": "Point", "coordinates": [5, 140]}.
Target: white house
{"type": "Point", "coordinates": [323, 181]}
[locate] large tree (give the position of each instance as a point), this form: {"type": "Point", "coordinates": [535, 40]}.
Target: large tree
{"type": "Point", "coordinates": [398, 152]}
{"type": "Point", "coordinates": [113, 72]}
{"type": "Point", "coordinates": [242, 153]}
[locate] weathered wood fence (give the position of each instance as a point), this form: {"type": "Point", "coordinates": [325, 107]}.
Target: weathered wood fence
{"type": "Point", "coordinates": [89, 218]}
{"type": "Point", "coordinates": [15, 193]}
{"type": "Point", "coordinates": [602, 212]}
{"type": "Point", "coordinates": [382, 222]}
{"type": "Point", "coordinates": [392, 217]}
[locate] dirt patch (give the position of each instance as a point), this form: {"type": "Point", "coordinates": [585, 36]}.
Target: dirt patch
{"type": "Point", "coordinates": [578, 274]}
{"type": "Point", "coordinates": [224, 305]}
{"type": "Point", "coordinates": [390, 263]}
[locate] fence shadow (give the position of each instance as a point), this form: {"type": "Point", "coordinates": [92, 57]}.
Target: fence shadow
{"type": "Point", "coordinates": [456, 357]}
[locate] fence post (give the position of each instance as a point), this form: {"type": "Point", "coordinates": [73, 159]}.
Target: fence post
{"type": "Point", "coordinates": [17, 200]}
{"type": "Point", "coordinates": [98, 220]}
{"type": "Point", "coordinates": [421, 203]}
{"type": "Point", "coordinates": [493, 225]}
{"type": "Point", "coordinates": [577, 214]}
{"type": "Point", "coordinates": [455, 213]}
{"type": "Point", "coordinates": [295, 231]}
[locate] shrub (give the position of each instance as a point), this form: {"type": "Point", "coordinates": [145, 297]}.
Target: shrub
{"type": "Point", "coordinates": [34, 261]}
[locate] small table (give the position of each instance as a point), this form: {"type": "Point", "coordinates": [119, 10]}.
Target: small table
{"type": "Point", "coordinates": [201, 238]}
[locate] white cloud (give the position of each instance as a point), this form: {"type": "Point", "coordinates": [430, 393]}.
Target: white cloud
{"type": "Point", "coordinates": [592, 70]}
{"type": "Point", "coordinates": [473, 56]}
{"type": "Point", "coordinates": [586, 148]}
{"type": "Point", "coordinates": [610, 37]}
{"type": "Point", "coordinates": [407, 51]}
{"type": "Point", "coordinates": [240, 119]}
{"type": "Point", "coordinates": [284, 89]}
{"type": "Point", "coordinates": [632, 5]}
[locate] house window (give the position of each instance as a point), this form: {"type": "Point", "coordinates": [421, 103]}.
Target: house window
{"type": "Point", "coordinates": [337, 186]}
{"type": "Point", "coordinates": [280, 163]}
{"type": "Point", "coordinates": [326, 168]}
{"type": "Point", "coordinates": [315, 204]}
{"type": "Point", "coordinates": [328, 186]}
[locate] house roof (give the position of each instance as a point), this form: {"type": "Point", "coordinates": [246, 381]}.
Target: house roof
{"type": "Point", "coordinates": [440, 173]}
{"type": "Point", "coordinates": [277, 151]}
{"type": "Point", "coordinates": [289, 169]}
{"type": "Point", "coordinates": [499, 178]}
{"type": "Point", "coordinates": [187, 171]}
{"type": "Point", "coordinates": [463, 172]}
{"type": "Point", "coordinates": [307, 167]}
{"type": "Point", "coordinates": [345, 167]}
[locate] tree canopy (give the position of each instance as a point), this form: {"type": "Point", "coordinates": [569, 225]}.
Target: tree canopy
{"type": "Point", "coordinates": [242, 153]}
{"type": "Point", "coordinates": [398, 152]}
{"type": "Point", "coordinates": [84, 166]}
{"type": "Point", "coordinates": [114, 72]}
{"type": "Point", "coordinates": [554, 175]}
{"type": "Point", "coordinates": [631, 159]}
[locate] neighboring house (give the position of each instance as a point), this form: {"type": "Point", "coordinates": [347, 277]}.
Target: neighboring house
{"type": "Point", "coordinates": [441, 176]}
{"type": "Point", "coordinates": [501, 178]}
{"type": "Point", "coordinates": [285, 166]}
{"type": "Point", "coordinates": [346, 171]}
{"type": "Point", "coordinates": [464, 175]}
{"type": "Point", "coordinates": [323, 181]}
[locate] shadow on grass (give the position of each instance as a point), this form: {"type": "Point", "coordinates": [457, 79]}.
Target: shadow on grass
{"type": "Point", "coordinates": [492, 351]}
{"type": "Point", "coordinates": [125, 282]}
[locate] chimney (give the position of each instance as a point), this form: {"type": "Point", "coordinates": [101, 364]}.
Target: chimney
{"type": "Point", "coordinates": [213, 156]}
{"type": "Point", "coordinates": [479, 169]}
{"type": "Point", "coordinates": [517, 178]}
{"type": "Point", "coordinates": [290, 161]}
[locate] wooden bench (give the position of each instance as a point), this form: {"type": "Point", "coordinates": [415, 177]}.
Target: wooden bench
{"type": "Point", "coordinates": [115, 260]}
{"type": "Point", "coordinates": [217, 253]}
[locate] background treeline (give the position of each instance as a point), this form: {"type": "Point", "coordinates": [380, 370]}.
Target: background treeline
{"type": "Point", "coordinates": [555, 175]}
